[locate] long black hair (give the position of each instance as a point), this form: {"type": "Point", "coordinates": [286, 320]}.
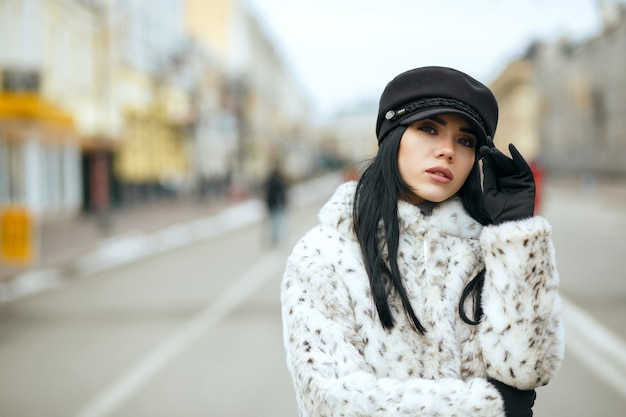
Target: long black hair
{"type": "Point", "coordinates": [376, 204]}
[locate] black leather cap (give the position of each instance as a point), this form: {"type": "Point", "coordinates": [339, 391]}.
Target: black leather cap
{"type": "Point", "coordinates": [427, 91]}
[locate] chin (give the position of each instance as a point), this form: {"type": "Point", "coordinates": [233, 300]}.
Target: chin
{"type": "Point", "coordinates": [435, 197]}
{"type": "Point", "coordinates": [431, 193]}
{"type": "Point", "coordinates": [436, 200]}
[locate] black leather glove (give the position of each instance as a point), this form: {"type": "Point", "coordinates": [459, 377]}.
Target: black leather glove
{"type": "Point", "coordinates": [517, 402]}
{"type": "Point", "coordinates": [508, 184]}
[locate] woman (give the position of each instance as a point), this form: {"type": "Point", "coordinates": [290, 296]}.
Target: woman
{"type": "Point", "coordinates": [421, 292]}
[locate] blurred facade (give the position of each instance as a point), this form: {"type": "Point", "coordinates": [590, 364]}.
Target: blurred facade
{"type": "Point", "coordinates": [518, 101]}
{"type": "Point", "coordinates": [47, 70]}
{"type": "Point", "coordinates": [116, 102]}
{"type": "Point", "coordinates": [563, 104]}
{"type": "Point", "coordinates": [273, 119]}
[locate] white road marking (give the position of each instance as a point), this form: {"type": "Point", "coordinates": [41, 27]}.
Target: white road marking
{"type": "Point", "coordinates": [596, 346]}
{"type": "Point", "coordinates": [112, 398]}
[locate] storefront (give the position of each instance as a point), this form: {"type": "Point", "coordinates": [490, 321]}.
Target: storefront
{"type": "Point", "coordinates": [40, 157]}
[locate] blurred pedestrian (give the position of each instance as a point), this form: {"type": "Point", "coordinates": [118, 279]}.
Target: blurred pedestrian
{"type": "Point", "coordinates": [276, 203]}
{"type": "Point", "coordinates": [418, 293]}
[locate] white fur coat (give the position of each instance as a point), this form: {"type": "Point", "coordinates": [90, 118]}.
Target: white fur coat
{"type": "Point", "coordinates": [344, 363]}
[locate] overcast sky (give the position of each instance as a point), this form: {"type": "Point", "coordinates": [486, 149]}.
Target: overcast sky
{"type": "Point", "coordinates": [345, 51]}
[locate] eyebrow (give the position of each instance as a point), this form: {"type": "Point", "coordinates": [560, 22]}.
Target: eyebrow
{"type": "Point", "coordinates": [444, 123]}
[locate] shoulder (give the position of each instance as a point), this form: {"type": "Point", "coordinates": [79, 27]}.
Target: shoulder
{"type": "Point", "coordinates": [330, 247]}
{"type": "Point", "coordinates": [319, 271]}
{"type": "Point", "coordinates": [324, 246]}
{"type": "Point", "coordinates": [337, 212]}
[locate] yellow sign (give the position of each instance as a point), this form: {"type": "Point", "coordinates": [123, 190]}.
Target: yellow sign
{"type": "Point", "coordinates": [17, 235]}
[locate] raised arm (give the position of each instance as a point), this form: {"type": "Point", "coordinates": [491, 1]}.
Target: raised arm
{"type": "Point", "coordinates": [521, 332]}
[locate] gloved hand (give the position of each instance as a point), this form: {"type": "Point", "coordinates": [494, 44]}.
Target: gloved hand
{"type": "Point", "coordinates": [517, 402]}
{"type": "Point", "coordinates": [508, 184]}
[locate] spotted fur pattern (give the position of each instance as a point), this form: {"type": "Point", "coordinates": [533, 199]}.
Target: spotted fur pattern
{"type": "Point", "coordinates": [344, 363]}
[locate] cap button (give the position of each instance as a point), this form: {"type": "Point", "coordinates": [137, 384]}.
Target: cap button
{"type": "Point", "coordinates": [389, 115]}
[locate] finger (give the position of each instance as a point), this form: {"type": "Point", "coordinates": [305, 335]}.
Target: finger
{"type": "Point", "coordinates": [501, 163]}
{"type": "Point", "coordinates": [484, 149]}
{"type": "Point", "coordinates": [520, 163]}
{"type": "Point", "coordinates": [490, 185]}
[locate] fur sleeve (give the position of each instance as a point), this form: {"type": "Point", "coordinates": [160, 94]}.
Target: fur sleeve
{"type": "Point", "coordinates": [521, 332]}
{"type": "Point", "coordinates": [330, 375]}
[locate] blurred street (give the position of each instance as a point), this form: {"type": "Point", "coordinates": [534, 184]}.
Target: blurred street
{"type": "Point", "coordinates": [137, 273]}
{"type": "Point", "coordinates": [194, 329]}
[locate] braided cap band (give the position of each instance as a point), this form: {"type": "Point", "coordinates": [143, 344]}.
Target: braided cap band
{"type": "Point", "coordinates": [437, 102]}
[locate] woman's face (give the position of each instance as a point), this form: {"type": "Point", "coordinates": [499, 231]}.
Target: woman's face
{"type": "Point", "coordinates": [436, 156]}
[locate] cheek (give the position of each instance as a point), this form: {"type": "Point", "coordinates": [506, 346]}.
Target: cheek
{"type": "Point", "coordinates": [467, 169]}
{"type": "Point", "coordinates": [408, 159]}
{"type": "Point", "coordinates": [403, 158]}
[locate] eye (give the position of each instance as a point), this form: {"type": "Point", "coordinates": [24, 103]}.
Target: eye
{"type": "Point", "coordinates": [469, 142]}
{"type": "Point", "coordinates": [427, 128]}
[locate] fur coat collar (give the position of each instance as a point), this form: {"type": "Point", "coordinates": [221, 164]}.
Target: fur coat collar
{"type": "Point", "coordinates": [447, 218]}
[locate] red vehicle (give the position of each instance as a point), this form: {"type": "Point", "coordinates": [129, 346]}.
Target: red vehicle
{"type": "Point", "coordinates": [538, 174]}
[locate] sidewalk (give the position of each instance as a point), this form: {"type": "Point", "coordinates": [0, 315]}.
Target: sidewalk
{"type": "Point", "coordinates": [61, 241]}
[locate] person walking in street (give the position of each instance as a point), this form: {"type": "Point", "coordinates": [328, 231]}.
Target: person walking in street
{"type": "Point", "coordinates": [428, 288]}
{"type": "Point", "coordinates": [276, 203]}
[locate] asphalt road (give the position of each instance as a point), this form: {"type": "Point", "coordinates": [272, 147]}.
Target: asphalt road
{"type": "Point", "coordinates": [195, 331]}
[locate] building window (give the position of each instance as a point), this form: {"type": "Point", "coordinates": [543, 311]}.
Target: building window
{"type": "Point", "coordinates": [20, 80]}
{"type": "Point", "coordinates": [12, 173]}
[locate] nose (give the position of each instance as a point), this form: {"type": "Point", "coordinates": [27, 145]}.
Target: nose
{"type": "Point", "coordinates": [446, 149]}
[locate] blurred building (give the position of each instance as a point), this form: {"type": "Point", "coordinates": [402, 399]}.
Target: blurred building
{"type": "Point", "coordinates": [47, 90]}
{"type": "Point", "coordinates": [563, 104]}
{"type": "Point", "coordinates": [90, 104]}
{"type": "Point", "coordinates": [272, 116]}
{"type": "Point", "coordinates": [146, 55]}
{"type": "Point", "coordinates": [113, 102]}
{"type": "Point", "coordinates": [518, 101]}
{"type": "Point", "coordinates": [583, 103]}
{"type": "Point", "coordinates": [213, 122]}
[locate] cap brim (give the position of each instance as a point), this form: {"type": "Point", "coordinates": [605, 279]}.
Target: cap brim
{"type": "Point", "coordinates": [426, 113]}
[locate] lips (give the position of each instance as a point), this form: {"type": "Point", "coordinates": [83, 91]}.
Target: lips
{"type": "Point", "coordinates": [440, 174]}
